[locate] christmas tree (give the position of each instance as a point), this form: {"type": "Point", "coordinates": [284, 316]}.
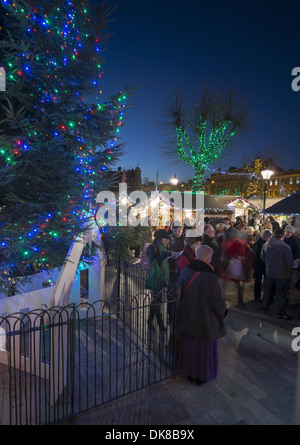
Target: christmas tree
{"type": "Point", "coordinates": [57, 135]}
{"type": "Point", "coordinates": [255, 184]}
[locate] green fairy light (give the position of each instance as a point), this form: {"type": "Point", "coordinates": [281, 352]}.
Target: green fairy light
{"type": "Point", "coordinates": [45, 87]}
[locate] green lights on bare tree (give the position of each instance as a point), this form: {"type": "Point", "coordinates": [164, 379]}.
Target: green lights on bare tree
{"type": "Point", "coordinates": [204, 128]}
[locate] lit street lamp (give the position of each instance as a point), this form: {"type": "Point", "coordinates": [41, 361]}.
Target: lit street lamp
{"type": "Point", "coordinates": [266, 174]}
{"type": "Point", "coordinates": [174, 181]}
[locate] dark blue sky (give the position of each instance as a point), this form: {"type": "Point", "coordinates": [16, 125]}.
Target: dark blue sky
{"type": "Point", "coordinates": [251, 46]}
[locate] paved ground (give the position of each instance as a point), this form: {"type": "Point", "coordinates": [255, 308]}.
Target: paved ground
{"type": "Point", "coordinates": [257, 382]}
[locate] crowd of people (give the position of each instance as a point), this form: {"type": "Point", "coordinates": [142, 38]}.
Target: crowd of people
{"type": "Point", "coordinates": [202, 265]}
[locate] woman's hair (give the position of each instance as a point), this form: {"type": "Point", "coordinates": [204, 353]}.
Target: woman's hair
{"type": "Point", "coordinates": [220, 226]}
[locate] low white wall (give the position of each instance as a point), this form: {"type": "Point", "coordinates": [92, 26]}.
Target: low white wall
{"type": "Point", "coordinates": [26, 301]}
{"type": "Point", "coordinates": [39, 298]}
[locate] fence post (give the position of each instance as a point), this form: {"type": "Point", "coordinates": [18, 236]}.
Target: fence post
{"type": "Point", "coordinates": [118, 289]}
{"type": "Point", "coordinates": [72, 356]}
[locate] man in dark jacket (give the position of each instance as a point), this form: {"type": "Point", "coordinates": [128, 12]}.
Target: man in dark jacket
{"type": "Point", "coordinates": [260, 266]}
{"type": "Point", "coordinates": [275, 224]}
{"type": "Point", "coordinates": [176, 242]}
{"type": "Point", "coordinates": [291, 240]}
{"type": "Point", "coordinates": [277, 256]}
{"type": "Point", "coordinates": [209, 240]}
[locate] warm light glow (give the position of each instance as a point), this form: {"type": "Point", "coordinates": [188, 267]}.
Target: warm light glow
{"type": "Point", "coordinates": [174, 181]}
{"type": "Point", "coordinates": [266, 174]}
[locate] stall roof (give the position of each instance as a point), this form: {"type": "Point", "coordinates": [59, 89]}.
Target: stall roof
{"type": "Point", "coordinates": [287, 206]}
{"type": "Point", "coordinates": [247, 202]}
{"type": "Point", "coordinates": [211, 202]}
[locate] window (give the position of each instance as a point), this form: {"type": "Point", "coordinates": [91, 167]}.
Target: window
{"type": "Point", "coordinates": [271, 182]}
{"type": "Point", "coordinates": [270, 193]}
{"type": "Point", "coordinates": [291, 180]}
{"type": "Point", "coordinates": [275, 193]}
{"type": "Point", "coordinates": [284, 181]}
{"type": "Point", "coordinates": [298, 180]}
{"type": "Point", "coordinates": [276, 181]}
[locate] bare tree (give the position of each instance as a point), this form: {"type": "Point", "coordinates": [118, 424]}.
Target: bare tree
{"type": "Point", "coordinates": [204, 127]}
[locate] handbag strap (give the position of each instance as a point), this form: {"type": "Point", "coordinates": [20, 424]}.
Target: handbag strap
{"type": "Point", "coordinates": [190, 282]}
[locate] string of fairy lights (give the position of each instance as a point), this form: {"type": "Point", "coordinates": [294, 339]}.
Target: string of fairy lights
{"type": "Point", "coordinates": [67, 27]}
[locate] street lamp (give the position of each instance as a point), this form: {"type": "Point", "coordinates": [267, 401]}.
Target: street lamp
{"type": "Point", "coordinates": [174, 181]}
{"type": "Point", "coordinates": [266, 174]}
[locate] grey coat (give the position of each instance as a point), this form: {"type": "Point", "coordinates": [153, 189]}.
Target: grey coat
{"type": "Point", "coordinates": [203, 308]}
{"type": "Point", "coordinates": [277, 256]}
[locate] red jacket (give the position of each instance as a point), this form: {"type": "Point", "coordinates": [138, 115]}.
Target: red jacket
{"type": "Point", "coordinates": [238, 249]}
{"type": "Point", "coordinates": [187, 256]}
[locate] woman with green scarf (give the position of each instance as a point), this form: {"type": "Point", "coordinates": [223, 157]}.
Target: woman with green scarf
{"type": "Point", "coordinates": [158, 275]}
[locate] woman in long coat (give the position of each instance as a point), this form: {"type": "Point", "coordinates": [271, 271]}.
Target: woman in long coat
{"type": "Point", "coordinates": [201, 319]}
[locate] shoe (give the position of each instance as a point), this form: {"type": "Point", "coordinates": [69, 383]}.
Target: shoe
{"type": "Point", "coordinates": [200, 382]}
{"type": "Point", "coordinates": [284, 317]}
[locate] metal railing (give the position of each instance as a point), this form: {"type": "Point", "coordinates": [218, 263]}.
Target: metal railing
{"type": "Point", "coordinates": [58, 362]}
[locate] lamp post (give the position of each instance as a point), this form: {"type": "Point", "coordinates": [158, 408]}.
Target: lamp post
{"type": "Point", "coordinates": [266, 174]}
{"type": "Point", "coordinates": [174, 181]}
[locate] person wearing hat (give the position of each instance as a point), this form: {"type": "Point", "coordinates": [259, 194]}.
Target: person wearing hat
{"type": "Point", "coordinates": [291, 240]}
{"type": "Point", "coordinates": [188, 254]}
{"type": "Point", "coordinates": [159, 248]}
{"type": "Point", "coordinates": [158, 253]}
{"type": "Point", "coordinates": [238, 222]}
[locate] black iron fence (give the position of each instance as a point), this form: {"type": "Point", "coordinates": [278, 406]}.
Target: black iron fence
{"type": "Point", "coordinates": [58, 362]}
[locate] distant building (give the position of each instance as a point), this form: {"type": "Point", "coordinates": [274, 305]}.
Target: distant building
{"type": "Point", "coordinates": [236, 181]}
{"type": "Point", "coordinates": [132, 177]}
{"type": "Point", "coordinates": [283, 184]}
{"type": "Point", "coordinates": [233, 182]}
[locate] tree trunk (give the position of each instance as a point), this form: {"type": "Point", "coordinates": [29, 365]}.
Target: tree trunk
{"type": "Point", "coordinates": [198, 179]}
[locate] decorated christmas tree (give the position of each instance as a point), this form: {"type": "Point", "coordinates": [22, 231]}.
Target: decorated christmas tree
{"type": "Point", "coordinates": [255, 184]}
{"type": "Point", "coordinates": [57, 135]}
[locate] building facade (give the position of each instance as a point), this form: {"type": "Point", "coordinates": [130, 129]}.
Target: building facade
{"type": "Point", "coordinates": [236, 182]}
{"type": "Point", "coordinates": [283, 184]}
{"type": "Point", "coordinates": [233, 182]}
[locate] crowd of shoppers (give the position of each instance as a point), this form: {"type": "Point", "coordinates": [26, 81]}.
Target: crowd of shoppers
{"type": "Point", "coordinates": [202, 266]}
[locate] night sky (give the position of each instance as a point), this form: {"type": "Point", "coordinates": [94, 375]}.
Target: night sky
{"type": "Point", "coordinates": [250, 46]}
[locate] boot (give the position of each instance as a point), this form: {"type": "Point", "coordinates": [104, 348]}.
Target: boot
{"type": "Point", "coordinates": [241, 290]}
